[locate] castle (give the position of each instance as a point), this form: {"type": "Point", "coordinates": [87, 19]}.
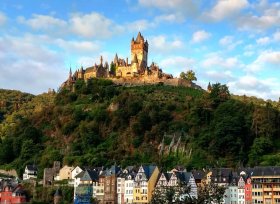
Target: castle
{"type": "Point", "coordinates": [120, 71]}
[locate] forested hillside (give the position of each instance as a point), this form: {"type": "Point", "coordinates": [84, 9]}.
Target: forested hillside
{"type": "Point", "coordinates": [101, 123]}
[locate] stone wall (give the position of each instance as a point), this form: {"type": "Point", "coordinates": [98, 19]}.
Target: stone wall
{"type": "Point", "coordinates": [146, 80]}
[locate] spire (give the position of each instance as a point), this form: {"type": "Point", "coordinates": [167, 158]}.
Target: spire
{"type": "Point", "coordinates": [139, 37]}
{"type": "Point", "coordinates": [70, 73]}
{"type": "Point", "coordinates": [209, 87]}
{"type": "Point", "coordinates": [101, 60]}
{"type": "Point", "coordinates": [116, 59]}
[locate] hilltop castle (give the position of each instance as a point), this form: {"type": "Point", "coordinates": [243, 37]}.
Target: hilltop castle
{"type": "Point", "coordinates": [120, 71]}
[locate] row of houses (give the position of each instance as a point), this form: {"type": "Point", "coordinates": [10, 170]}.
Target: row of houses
{"type": "Point", "coordinates": [136, 184]}
{"type": "Point", "coordinates": [249, 185]}
{"type": "Point", "coordinates": [130, 185]}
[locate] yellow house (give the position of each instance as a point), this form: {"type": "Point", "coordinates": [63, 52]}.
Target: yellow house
{"type": "Point", "coordinates": [145, 181]}
{"type": "Point", "coordinates": [65, 172]}
{"type": "Point", "coordinates": [266, 185]}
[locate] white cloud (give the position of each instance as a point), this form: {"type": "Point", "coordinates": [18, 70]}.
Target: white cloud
{"type": "Point", "coordinates": [176, 64]}
{"type": "Point", "coordinates": [229, 42]}
{"type": "Point", "coordinates": [266, 59]}
{"type": "Point", "coordinates": [93, 25]}
{"type": "Point", "coordinates": [43, 22]}
{"type": "Point", "coordinates": [225, 41]}
{"type": "Point", "coordinates": [28, 66]}
{"type": "Point", "coordinates": [216, 61]}
{"type": "Point", "coordinates": [271, 57]}
{"type": "Point", "coordinates": [139, 25]}
{"type": "Point", "coordinates": [263, 41]}
{"type": "Point", "coordinates": [224, 9]}
{"type": "Point", "coordinates": [185, 7]}
{"type": "Point", "coordinates": [267, 17]}
{"type": "Point", "coordinates": [170, 18]}
{"type": "Point", "coordinates": [161, 44]}
{"type": "Point", "coordinates": [276, 36]}
{"type": "Point", "coordinates": [200, 36]}
{"type": "Point", "coordinates": [3, 18]}
{"type": "Point", "coordinates": [216, 75]}
{"type": "Point", "coordinates": [253, 86]}
{"type": "Point", "coordinates": [78, 46]}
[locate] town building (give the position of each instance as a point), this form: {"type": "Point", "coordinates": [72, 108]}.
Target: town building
{"type": "Point", "coordinates": [12, 193]}
{"type": "Point", "coordinates": [30, 172]}
{"type": "Point", "coordinates": [145, 182]}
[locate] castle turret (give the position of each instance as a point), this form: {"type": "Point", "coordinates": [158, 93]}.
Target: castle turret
{"type": "Point", "coordinates": [70, 75]}
{"type": "Point", "coordinates": [57, 198]}
{"type": "Point", "coordinates": [81, 73]}
{"type": "Point", "coordinates": [209, 88]}
{"type": "Point", "coordinates": [101, 60]}
{"type": "Point", "coordinates": [116, 59]}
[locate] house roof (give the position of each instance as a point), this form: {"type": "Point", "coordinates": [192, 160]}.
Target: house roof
{"type": "Point", "coordinates": [88, 175]}
{"type": "Point", "coordinates": [114, 170]}
{"type": "Point", "coordinates": [222, 175]}
{"type": "Point", "coordinates": [265, 171]}
{"type": "Point", "coordinates": [184, 177]}
{"type": "Point", "coordinates": [148, 170]}
{"type": "Point", "coordinates": [198, 174]}
{"type": "Point", "coordinates": [32, 167]}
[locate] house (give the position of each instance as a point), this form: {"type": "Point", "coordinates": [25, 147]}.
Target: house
{"type": "Point", "coordinates": [65, 173]}
{"type": "Point", "coordinates": [179, 178]}
{"type": "Point", "coordinates": [110, 185]}
{"type": "Point", "coordinates": [163, 180]}
{"type": "Point", "coordinates": [145, 182]}
{"type": "Point", "coordinates": [30, 172]}
{"type": "Point", "coordinates": [100, 187]}
{"type": "Point", "coordinates": [125, 183]}
{"type": "Point", "coordinates": [265, 184]}
{"type": "Point", "coordinates": [12, 193]}
{"type": "Point", "coordinates": [199, 176]}
{"type": "Point", "coordinates": [241, 188]}
{"type": "Point", "coordinates": [86, 190]}
{"type": "Point", "coordinates": [76, 171]}
{"type": "Point", "coordinates": [221, 176]}
{"type": "Point", "coordinates": [129, 184]}
{"type": "Point", "coordinates": [248, 191]}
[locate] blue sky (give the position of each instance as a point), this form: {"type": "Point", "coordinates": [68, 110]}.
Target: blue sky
{"type": "Point", "coordinates": [234, 42]}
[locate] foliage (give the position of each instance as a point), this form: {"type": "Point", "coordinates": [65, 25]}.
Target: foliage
{"type": "Point", "coordinates": [189, 75]}
{"type": "Point", "coordinates": [181, 194]}
{"type": "Point", "coordinates": [77, 126]}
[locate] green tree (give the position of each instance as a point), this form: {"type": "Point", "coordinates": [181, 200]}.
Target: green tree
{"type": "Point", "coordinates": [189, 75]}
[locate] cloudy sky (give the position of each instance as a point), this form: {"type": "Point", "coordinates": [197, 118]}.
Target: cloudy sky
{"type": "Point", "coordinates": [234, 42]}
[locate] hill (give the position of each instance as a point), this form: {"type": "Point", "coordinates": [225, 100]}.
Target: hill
{"type": "Point", "coordinates": [101, 123]}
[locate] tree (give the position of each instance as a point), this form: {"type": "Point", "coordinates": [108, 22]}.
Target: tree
{"type": "Point", "coordinates": [189, 75]}
{"type": "Point", "coordinates": [207, 193]}
{"type": "Point", "coordinates": [219, 93]}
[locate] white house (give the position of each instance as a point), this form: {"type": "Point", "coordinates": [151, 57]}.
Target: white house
{"type": "Point", "coordinates": [186, 178]}
{"type": "Point", "coordinates": [241, 189]}
{"type": "Point", "coordinates": [128, 190]}
{"type": "Point", "coordinates": [30, 171]}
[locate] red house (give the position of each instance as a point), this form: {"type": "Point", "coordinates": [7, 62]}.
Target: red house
{"type": "Point", "coordinates": [248, 191]}
{"type": "Point", "coordinates": [12, 194]}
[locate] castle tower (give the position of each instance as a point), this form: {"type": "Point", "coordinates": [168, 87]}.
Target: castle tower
{"type": "Point", "coordinates": [139, 47]}
{"type": "Point", "coordinates": [57, 198]}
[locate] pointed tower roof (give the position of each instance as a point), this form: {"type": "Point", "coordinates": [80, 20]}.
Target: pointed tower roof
{"type": "Point", "coordinates": [139, 37]}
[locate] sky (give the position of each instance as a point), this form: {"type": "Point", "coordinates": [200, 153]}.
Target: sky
{"type": "Point", "coordinates": [233, 42]}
